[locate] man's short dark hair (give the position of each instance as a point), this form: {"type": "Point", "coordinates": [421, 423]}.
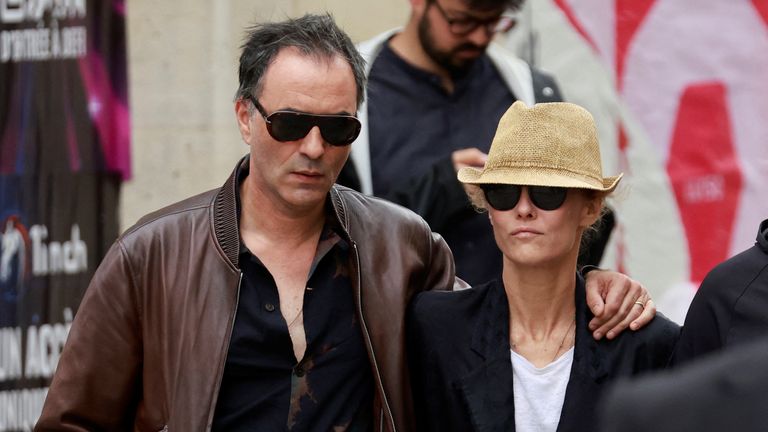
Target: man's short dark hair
{"type": "Point", "coordinates": [312, 35]}
{"type": "Point", "coordinates": [494, 4]}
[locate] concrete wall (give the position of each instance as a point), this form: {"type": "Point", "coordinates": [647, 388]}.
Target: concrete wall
{"type": "Point", "coordinates": [182, 76]}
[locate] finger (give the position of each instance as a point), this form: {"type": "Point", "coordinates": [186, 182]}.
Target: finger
{"type": "Point", "coordinates": [596, 304]}
{"type": "Point", "coordinates": [598, 284]}
{"type": "Point", "coordinates": [635, 311]}
{"type": "Point", "coordinates": [614, 298]}
{"type": "Point", "coordinates": [468, 154]}
{"type": "Point", "coordinates": [612, 325]}
{"type": "Point", "coordinates": [468, 157]}
{"type": "Point", "coordinates": [477, 157]}
{"type": "Point", "coordinates": [649, 312]}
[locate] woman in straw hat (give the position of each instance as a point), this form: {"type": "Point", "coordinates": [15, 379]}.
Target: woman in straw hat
{"type": "Point", "coordinates": [516, 354]}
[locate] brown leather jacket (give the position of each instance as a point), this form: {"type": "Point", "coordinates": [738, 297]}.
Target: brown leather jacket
{"type": "Point", "coordinates": [147, 348]}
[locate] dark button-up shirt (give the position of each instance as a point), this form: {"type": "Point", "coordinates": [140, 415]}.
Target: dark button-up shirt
{"type": "Point", "coordinates": [415, 124]}
{"type": "Point", "coordinates": [264, 388]}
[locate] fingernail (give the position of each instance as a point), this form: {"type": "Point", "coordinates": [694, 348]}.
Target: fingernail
{"type": "Point", "coordinates": [592, 327]}
{"type": "Point", "coordinates": [598, 335]}
{"type": "Point", "coordinates": [633, 326]}
{"type": "Point", "coordinates": [610, 335]}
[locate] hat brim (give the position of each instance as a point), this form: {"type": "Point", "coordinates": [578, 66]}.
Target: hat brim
{"type": "Point", "coordinates": [535, 176]}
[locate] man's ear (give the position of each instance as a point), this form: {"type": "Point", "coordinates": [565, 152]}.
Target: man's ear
{"type": "Point", "coordinates": [243, 116]}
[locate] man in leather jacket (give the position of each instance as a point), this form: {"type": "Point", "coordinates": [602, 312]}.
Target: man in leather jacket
{"type": "Point", "coordinates": [277, 301]}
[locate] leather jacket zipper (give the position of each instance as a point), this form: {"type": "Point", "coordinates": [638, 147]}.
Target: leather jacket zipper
{"type": "Point", "coordinates": [226, 354]}
{"type": "Point", "coordinates": [370, 344]}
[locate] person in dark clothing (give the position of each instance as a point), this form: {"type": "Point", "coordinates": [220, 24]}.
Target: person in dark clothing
{"type": "Point", "coordinates": [731, 305]}
{"type": "Point", "coordinates": [515, 354]}
{"type": "Point", "coordinates": [719, 380]}
{"type": "Point", "coordinates": [723, 391]}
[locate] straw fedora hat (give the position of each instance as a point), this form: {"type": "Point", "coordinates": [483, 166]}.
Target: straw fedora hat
{"type": "Point", "coordinates": [549, 144]}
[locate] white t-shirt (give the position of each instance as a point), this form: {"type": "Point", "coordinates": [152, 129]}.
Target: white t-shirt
{"type": "Point", "coordinates": [539, 393]}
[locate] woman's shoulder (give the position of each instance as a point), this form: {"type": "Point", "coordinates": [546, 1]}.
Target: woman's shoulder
{"type": "Point", "coordinates": [650, 347]}
{"type": "Point", "coordinates": [661, 332]}
{"type": "Point", "coordinates": [438, 300]}
{"type": "Point", "coordinates": [446, 322]}
{"type": "Point", "coordinates": [660, 328]}
{"type": "Point", "coordinates": [441, 307]}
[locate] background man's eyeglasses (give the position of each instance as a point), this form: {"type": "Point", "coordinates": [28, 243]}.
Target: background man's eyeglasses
{"type": "Point", "coordinates": [504, 197]}
{"type": "Point", "coordinates": [336, 129]}
{"type": "Point", "coordinates": [465, 26]}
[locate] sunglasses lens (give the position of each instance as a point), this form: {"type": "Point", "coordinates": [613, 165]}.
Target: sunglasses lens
{"type": "Point", "coordinates": [502, 197]}
{"type": "Point", "coordinates": [288, 126]}
{"type": "Point", "coordinates": [339, 130]}
{"type": "Point", "coordinates": [336, 130]}
{"type": "Point", "coordinates": [505, 197]}
{"type": "Point", "coordinates": [547, 197]}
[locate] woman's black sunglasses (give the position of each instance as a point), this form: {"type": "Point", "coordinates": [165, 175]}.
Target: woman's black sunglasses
{"type": "Point", "coordinates": [504, 197]}
{"type": "Point", "coordinates": [336, 129]}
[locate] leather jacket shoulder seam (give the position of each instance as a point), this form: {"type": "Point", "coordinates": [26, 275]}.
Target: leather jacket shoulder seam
{"type": "Point", "coordinates": [134, 286]}
{"type": "Point", "coordinates": [137, 227]}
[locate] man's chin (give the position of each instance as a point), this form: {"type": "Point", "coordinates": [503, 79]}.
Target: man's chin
{"type": "Point", "coordinates": [310, 191]}
{"type": "Point", "coordinates": [460, 68]}
{"type": "Point", "coordinates": [306, 200]}
{"type": "Point", "coordinates": [467, 55]}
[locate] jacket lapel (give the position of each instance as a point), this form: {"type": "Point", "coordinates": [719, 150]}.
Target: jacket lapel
{"type": "Point", "coordinates": [487, 388]}
{"type": "Point", "coordinates": [587, 373]}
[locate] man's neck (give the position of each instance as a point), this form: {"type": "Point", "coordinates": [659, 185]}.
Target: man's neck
{"type": "Point", "coordinates": [264, 222]}
{"type": "Point", "coordinates": [407, 46]}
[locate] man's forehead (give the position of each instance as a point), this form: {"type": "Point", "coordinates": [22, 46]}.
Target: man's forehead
{"type": "Point", "coordinates": [294, 55]}
{"type": "Point", "coordinates": [322, 77]}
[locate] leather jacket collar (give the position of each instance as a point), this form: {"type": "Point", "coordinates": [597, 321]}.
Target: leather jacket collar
{"type": "Point", "coordinates": [226, 223]}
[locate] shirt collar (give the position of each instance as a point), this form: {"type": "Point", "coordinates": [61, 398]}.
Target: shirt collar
{"type": "Point", "coordinates": [331, 235]}
{"type": "Point", "coordinates": [460, 82]}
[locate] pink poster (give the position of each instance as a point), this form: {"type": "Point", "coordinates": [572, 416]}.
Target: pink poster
{"type": "Point", "coordinates": [64, 151]}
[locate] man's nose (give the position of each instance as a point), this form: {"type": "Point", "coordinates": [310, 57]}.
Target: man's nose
{"type": "Point", "coordinates": [481, 36]}
{"type": "Point", "coordinates": [313, 145]}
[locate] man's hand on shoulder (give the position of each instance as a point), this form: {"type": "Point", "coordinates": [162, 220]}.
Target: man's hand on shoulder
{"type": "Point", "coordinates": [618, 302]}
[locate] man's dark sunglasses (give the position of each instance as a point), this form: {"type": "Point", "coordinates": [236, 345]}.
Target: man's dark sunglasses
{"type": "Point", "coordinates": [336, 129]}
{"type": "Point", "coordinates": [505, 197]}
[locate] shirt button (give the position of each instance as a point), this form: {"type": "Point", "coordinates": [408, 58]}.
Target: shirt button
{"type": "Point", "coordinates": [269, 307]}
{"type": "Point", "coordinates": [299, 371]}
